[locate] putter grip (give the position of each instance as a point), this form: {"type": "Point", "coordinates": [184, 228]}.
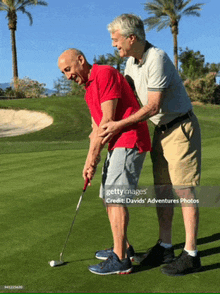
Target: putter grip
{"type": "Point", "coordinates": [85, 184]}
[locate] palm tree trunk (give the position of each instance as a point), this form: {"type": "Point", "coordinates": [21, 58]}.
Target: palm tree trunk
{"type": "Point", "coordinates": [175, 50]}
{"type": "Point", "coordinates": [174, 30]}
{"type": "Point", "coordinates": [14, 57]}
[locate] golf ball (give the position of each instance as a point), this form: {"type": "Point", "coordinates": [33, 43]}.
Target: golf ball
{"type": "Point", "coordinates": [52, 263]}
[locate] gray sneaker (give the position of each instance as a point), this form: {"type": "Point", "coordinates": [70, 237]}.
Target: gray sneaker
{"type": "Point", "coordinates": [104, 254]}
{"type": "Point", "coordinates": [112, 265]}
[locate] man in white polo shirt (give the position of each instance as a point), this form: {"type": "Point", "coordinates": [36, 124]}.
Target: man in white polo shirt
{"type": "Point", "coordinates": [176, 150]}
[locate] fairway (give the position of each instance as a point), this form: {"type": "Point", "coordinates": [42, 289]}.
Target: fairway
{"type": "Point", "coordinates": [41, 182]}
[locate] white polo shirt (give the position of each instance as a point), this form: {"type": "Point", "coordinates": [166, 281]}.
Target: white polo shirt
{"type": "Point", "coordinates": [156, 72]}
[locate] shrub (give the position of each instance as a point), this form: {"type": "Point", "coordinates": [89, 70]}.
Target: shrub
{"type": "Point", "coordinates": [204, 89]}
{"type": "Point", "coordinates": [27, 88]}
{"type": "Point", "coordinates": [217, 95]}
{"type": "Point", "coordinates": [76, 89]}
{"type": "Point", "coordinates": [2, 92]}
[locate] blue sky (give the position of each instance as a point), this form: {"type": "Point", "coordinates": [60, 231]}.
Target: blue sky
{"type": "Point", "coordinates": [83, 25]}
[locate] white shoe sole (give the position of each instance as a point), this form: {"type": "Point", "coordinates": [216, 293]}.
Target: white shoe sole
{"type": "Point", "coordinates": [128, 271]}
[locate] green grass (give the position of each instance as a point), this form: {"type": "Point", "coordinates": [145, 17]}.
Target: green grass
{"type": "Point", "coordinates": [41, 182]}
{"type": "Point", "coordinates": [72, 123]}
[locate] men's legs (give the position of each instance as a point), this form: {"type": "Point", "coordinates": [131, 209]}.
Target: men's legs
{"type": "Point", "coordinates": [165, 213]}
{"type": "Point", "coordinates": [190, 216]}
{"type": "Point", "coordinates": [119, 218]}
{"type": "Point", "coordinates": [182, 149]}
{"type": "Point", "coordinates": [176, 159]}
{"type": "Point", "coordinates": [121, 171]}
{"type": "Point", "coordinates": [163, 189]}
{"type": "Point", "coordinates": [189, 260]}
{"type": "Point", "coordinates": [163, 251]}
{"type": "Point", "coordinates": [190, 213]}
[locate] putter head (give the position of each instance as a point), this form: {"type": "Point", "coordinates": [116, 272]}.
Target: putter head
{"type": "Point", "coordinates": [54, 263]}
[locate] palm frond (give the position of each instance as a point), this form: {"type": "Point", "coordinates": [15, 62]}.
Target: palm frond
{"type": "Point", "coordinates": [191, 13]}
{"type": "Point", "coordinates": [27, 2]}
{"type": "Point", "coordinates": [163, 25]}
{"type": "Point", "coordinates": [180, 4]}
{"type": "Point", "coordinates": [162, 10]}
{"type": "Point", "coordinates": [193, 10]}
{"type": "Point", "coordinates": [34, 2]}
{"type": "Point", "coordinates": [3, 7]}
{"type": "Point", "coordinates": [153, 7]}
{"type": "Point", "coordinates": [23, 10]}
{"type": "Point", "coordinates": [156, 22]}
{"type": "Point", "coordinates": [44, 3]}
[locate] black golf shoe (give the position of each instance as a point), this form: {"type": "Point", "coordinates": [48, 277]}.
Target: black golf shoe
{"type": "Point", "coordinates": [158, 255]}
{"type": "Point", "coordinates": [182, 265]}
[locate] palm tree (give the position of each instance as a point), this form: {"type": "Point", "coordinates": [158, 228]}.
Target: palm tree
{"type": "Point", "coordinates": [12, 7]}
{"type": "Point", "coordinates": [116, 60]}
{"type": "Point", "coordinates": [168, 13]}
{"type": "Point", "coordinates": [101, 59]}
{"type": "Point", "coordinates": [111, 59]}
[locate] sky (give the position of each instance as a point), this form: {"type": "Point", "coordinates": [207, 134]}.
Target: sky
{"type": "Point", "coordinates": [83, 25]}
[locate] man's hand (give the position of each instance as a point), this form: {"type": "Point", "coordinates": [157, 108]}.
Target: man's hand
{"type": "Point", "coordinates": [110, 130]}
{"type": "Point", "coordinates": [91, 172]}
{"type": "Point", "coordinates": [88, 173]}
{"type": "Point", "coordinates": [90, 169]}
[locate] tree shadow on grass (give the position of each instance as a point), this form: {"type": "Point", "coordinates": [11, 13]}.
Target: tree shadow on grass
{"type": "Point", "coordinates": [201, 241]}
{"type": "Point", "coordinates": [210, 267]}
{"type": "Point", "coordinates": [137, 268]}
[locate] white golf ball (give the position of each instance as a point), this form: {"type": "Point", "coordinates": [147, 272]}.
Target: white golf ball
{"type": "Point", "coordinates": [52, 263]}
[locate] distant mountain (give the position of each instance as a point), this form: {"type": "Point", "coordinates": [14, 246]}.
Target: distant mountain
{"type": "Point", "coordinates": [48, 92]}
{"type": "Point", "coordinates": [4, 86]}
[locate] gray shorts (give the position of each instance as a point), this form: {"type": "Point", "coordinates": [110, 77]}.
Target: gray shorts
{"type": "Point", "coordinates": [120, 174]}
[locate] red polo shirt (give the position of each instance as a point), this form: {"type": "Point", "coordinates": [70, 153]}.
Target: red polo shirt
{"type": "Point", "coordinates": [106, 83]}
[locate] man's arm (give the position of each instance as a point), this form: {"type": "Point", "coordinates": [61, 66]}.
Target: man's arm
{"type": "Point", "coordinates": [96, 144]}
{"type": "Point", "coordinates": [147, 111]}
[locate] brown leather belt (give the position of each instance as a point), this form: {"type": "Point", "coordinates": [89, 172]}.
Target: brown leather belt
{"type": "Point", "coordinates": [178, 119]}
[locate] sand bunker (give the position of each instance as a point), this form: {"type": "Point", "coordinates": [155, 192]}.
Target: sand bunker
{"type": "Point", "coordinates": [19, 122]}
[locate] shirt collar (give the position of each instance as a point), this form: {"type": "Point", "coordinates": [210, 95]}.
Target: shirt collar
{"type": "Point", "coordinates": [147, 46]}
{"type": "Point", "coordinates": [92, 75]}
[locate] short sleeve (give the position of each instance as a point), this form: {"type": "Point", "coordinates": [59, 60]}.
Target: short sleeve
{"type": "Point", "coordinates": [160, 71]}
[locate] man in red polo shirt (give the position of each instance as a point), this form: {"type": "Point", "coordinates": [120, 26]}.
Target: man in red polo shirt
{"type": "Point", "coordinates": [109, 97]}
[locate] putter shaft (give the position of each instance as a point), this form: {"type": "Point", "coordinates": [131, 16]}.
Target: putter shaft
{"type": "Point", "coordinates": [77, 208]}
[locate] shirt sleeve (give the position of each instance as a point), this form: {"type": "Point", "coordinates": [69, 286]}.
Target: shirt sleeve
{"type": "Point", "coordinates": [160, 72]}
{"type": "Point", "coordinates": [108, 81]}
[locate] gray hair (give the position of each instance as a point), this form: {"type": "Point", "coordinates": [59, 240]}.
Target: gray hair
{"type": "Point", "coordinates": [128, 24]}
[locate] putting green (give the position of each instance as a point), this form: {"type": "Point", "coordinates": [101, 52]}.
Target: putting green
{"type": "Point", "coordinates": [40, 187]}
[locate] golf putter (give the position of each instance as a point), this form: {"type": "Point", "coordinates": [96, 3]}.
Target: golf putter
{"type": "Point", "coordinates": [54, 263]}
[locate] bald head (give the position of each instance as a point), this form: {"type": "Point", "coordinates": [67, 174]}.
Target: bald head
{"type": "Point", "coordinates": [73, 64]}
{"type": "Point", "coordinates": [70, 54]}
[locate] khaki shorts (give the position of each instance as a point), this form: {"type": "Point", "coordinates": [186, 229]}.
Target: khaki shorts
{"type": "Point", "coordinates": [176, 154]}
